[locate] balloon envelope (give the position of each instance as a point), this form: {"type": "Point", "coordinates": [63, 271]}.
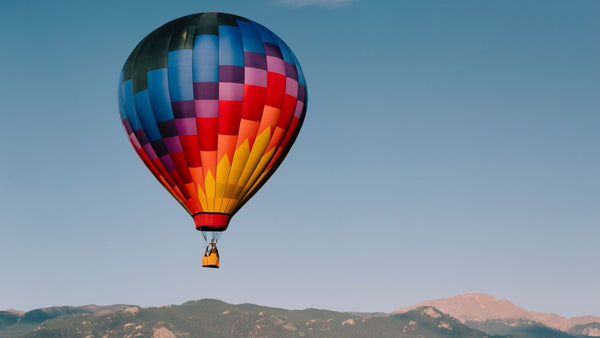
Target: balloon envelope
{"type": "Point", "coordinates": [212, 103]}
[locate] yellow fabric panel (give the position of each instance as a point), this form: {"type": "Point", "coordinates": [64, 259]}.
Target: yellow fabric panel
{"type": "Point", "coordinates": [239, 162]}
{"type": "Point", "coordinates": [202, 198]}
{"type": "Point", "coordinates": [209, 167]}
{"type": "Point", "coordinates": [227, 203]}
{"type": "Point", "coordinates": [253, 165]}
{"type": "Point", "coordinates": [240, 158]}
{"type": "Point", "coordinates": [223, 169]}
{"type": "Point", "coordinates": [258, 175]}
{"type": "Point", "coordinates": [225, 151]}
{"type": "Point", "coordinates": [209, 186]}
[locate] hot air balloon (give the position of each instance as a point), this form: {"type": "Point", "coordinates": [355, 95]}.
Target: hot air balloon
{"type": "Point", "coordinates": [212, 103]}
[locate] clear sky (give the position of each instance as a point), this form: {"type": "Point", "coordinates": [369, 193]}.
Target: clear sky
{"type": "Point", "coordinates": [449, 147]}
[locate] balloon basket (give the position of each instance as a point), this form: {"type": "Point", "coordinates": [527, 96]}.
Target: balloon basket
{"type": "Point", "coordinates": [210, 259]}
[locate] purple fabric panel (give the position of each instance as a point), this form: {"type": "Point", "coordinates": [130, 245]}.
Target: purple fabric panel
{"type": "Point", "coordinates": [150, 152]}
{"type": "Point", "coordinates": [273, 50]}
{"type": "Point", "coordinates": [186, 126]}
{"type": "Point", "coordinates": [291, 71]}
{"type": "Point", "coordinates": [291, 87]}
{"type": "Point", "coordinates": [141, 136]}
{"type": "Point", "coordinates": [301, 93]}
{"type": "Point", "coordinates": [255, 76]}
{"type": "Point", "coordinates": [127, 126]}
{"type": "Point", "coordinates": [183, 109]}
{"type": "Point", "coordinates": [231, 74]}
{"type": "Point", "coordinates": [167, 128]}
{"type": "Point", "coordinates": [255, 60]}
{"type": "Point", "coordinates": [231, 91]}
{"type": "Point", "coordinates": [135, 142]}
{"type": "Point", "coordinates": [207, 108]}
{"type": "Point", "coordinates": [159, 147]}
{"type": "Point", "coordinates": [299, 107]}
{"type": "Point", "coordinates": [167, 162]}
{"type": "Point", "coordinates": [173, 145]}
{"type": "Point", "coordinates": [275, 64]}
{"type": "Point", "coordinates": [206, 90]}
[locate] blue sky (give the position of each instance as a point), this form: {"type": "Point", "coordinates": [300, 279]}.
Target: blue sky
{"type": "Point", "coordinates": [448, 147]}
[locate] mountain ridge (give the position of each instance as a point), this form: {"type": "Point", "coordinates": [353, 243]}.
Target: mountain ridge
{"type": "Point", "coordinates": [468, 315]}
{"type": "Point", "coordinates": [481, 307]}
{"type": "Point", "coordinates": [214, 318]}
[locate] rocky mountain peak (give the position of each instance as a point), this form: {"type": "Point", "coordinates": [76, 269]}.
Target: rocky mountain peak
{"type": "Point", "coordinates": [475, 306]}
{"type": "Point", "coordinates": [481, 307]}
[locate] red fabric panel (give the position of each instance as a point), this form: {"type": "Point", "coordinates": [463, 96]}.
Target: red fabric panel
{"type": "Point", "coordinates": [284, 143]}
{"type": "Point", "coordinates": [289, 105]}
{"type": "Point", "coordinates": [254, 101]}
{"type": "Point", "coordinates": [276, 89]}
{"type": "Point", "coordinates": [191, 149]}
{"type": "Point", "coordinates": [230, 113]}
{"type": "Point", "coordinates": [182, 167]}
{"type": "Point", "coordinates": [179, 183]}
{"type": "Point", "coordinates": [163, 172]}
{"type": "Point", "coordinates": [207, 132]}
{"type": "Point", "coordinates": [211, 221]}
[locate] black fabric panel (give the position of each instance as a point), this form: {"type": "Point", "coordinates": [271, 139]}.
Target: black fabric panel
{"type": "Point", "coordinates": [139, 78]}
{"type": "Point", "coordinates": [207, 24]}
{"type": "Point", "coordinates": [128, 66]}
{"type": "Point", "coordinates": [168, 128]}
{"type": "Point", "coordinates": [191, 35]}
{"type": "Point", "coordinates": [178, 31]}
{"type": "Point", "coordinates": [228, 19]}
{"type": "Point", "coordinates": [158, 53]}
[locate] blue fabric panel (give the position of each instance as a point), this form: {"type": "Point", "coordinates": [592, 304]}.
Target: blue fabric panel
{"type": "Point", "coordinates": [231, 51]}
{"type": "Point", "coordinates": [158, 89]}
{"type": "Point", "coordinates": [130, 107]}
{"type": "Point", "coordinates": [122, 108]}
{"type": "Point", "coordinates": [265, 34]}
{"type": "Point", "coordinates": [180, 75]}
{"type": "Point", "coordinates": [251, 38]}
{"type": "Point", "coordinates": [206, 58]}
{"type": "Point", "coordinates": [285, 51]}
{"type": "Point", "coordinates": [144, 111]}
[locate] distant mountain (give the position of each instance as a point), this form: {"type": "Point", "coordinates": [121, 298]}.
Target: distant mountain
{"type": "Point", "coordinates": [474, 307]}
{"type": "Point", "coordinates": [591, 329]}
{"type": "Point", "coordinates": [13, 322]}
{"type": "Point", "coordinates": [213, 318]}
{"type": "Point", "coordinates": [499, 316]}
{"type": "Point", "coordinates": [521, 328]}
{"type": "Point", "coordinates": [8, 318]}
{"type": "Point", "coordinates": [469, 315]}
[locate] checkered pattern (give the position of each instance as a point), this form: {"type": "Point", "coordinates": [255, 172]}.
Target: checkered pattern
{"type": "Point", "coordinates": [212, 103]}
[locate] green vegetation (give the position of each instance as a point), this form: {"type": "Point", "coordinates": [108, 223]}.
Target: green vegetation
{"type": "Point", "coordinates": [521, 328]}
{"type": "Point", "coordinates": [214, 318]}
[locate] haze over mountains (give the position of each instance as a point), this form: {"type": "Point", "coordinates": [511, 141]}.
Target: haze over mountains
{"type": "Point", "coordinates": [468, 315]}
